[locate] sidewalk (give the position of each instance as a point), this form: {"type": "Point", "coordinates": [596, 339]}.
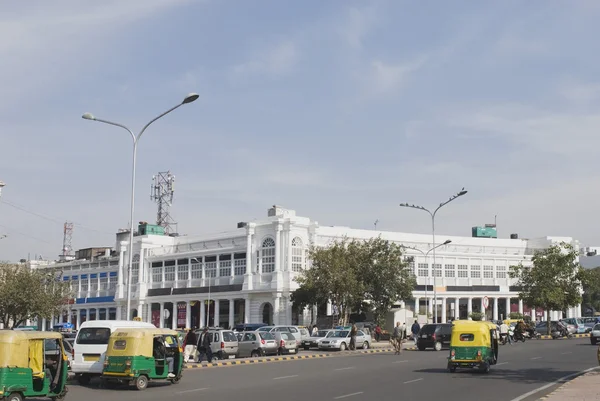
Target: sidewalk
{"type": "Point", "coordinates": [582, 388]}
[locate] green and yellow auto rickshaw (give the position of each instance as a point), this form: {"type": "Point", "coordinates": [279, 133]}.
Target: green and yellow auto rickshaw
{"type": "Point", "coordinates": [139, 355]}
{"type": "Point", "coordinates": [473, 345]}
{"type": "Point", "coordinates": [32, 364]}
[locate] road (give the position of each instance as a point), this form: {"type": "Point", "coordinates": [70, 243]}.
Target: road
{"type": "Point", "coordinates": [522, 368]}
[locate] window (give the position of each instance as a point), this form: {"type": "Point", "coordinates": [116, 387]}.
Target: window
{"type": "Point", "coordinates": [297, 255]}
{"type": "Point", "coordinates": [267, 336]}
{"type": "Point", "coordinates": [488, 271]}
{"type": "Point", "coordinates": [84, 285]}
{"type": "Point", "coordinates": [103, 283]}
{"type": "Point", "coordinates": [157, 274]}
{"type": "Point", "coordinates": [196, 271]}
{"type": "Point", "coordinates": [120, 345]}
{"type": "Point", "coordinates": [224, 268]}
{"type": "Point", "coordinates": [249, 337]}
{"type": "Point", "coordinates": [75, 286]}
{"type": "Point", "coordinates": [112, 283]}
{"type": "Point", "coordinates": [240, 267]}
{"type": "Point", "coordinates": [475, 271]}
{"type": "Point", "coordinates": [135, 272]}
{"type": "Point", "coordinates": [211, 269]}
{"type": "Point", "coordinates": [229, 336]}
{"type": "Point", "coordinates": [268, 255]}
{"type": "Point", "coordinates": [500, 271]}
{"type": "Point", "coordinates": [463, 271]}
{"type": "Point", "coordinates": [182, 272]}
{"type": "Point", "coordinates": [423, 270]}
{"type": "Point", "coordinates": [93, 336]}
{"type": "Point", "coordinates": [437, 270]}
{"type": "Point", "coordinates": [449, 271]}
{"type": "Point", "coordinates": [169, 273]}
{"type": "Point", "coordinates": [93, 284]}
{"type": "Point", "coordinates": [467, 337]}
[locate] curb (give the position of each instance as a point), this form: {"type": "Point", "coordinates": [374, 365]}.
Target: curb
{"type": "Point", "coordinates": [547, 337]}
{"type": "Point", "coordinates": [566, 384]}
{"type": "Point", "coordinates": [254, 361]}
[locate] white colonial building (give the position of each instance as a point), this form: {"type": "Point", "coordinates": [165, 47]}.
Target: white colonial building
{"type": "Point", "coordinates": [247, 275]}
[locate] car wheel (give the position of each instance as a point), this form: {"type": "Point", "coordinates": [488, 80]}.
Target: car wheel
{"type": "Point", "coordinates": [14, 397]}
{"type": "Point", "coordinates": [254, 354]}
{"type": "Point", "coordinates": [437, 346]}
{"type": "Point", "coordinates": [593, 340]}
{"type": "Point", "coordinates": [141, 383]}
{"type": "Point", "coordinates": [366, 345]}
{"type": "Point", "coordinates": [342, 346]}
{"type": "Point", "coordinates": [421, 348]}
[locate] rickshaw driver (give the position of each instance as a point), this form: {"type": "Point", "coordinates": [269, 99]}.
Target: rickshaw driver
{"type": "Point", "coordinates": [160, 353]}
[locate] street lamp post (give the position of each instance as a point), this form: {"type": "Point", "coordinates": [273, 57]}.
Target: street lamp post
{"type": "Point", "coordinates": [427, 281]}
{"type": "Point", "coordinates": [136, 138]}
{"type": "Point", "coordinates": [2, 185]}
{"type": "Point", "coordinates": [432, 214]}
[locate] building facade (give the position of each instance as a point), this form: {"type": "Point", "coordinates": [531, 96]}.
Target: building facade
{"type": "Point", "coordinates": [247, 275]}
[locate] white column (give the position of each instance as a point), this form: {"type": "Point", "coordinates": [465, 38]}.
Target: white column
{"type": "Point", "coordinates": [248, 277]}
{"type": "Point", "coordinates": [78, 318]}
{"type": "Point", "coordinates": [68, 317]}
{"type": "Point", "coordinates": [507, 308]}
{"type": "Point", "coordinates": [231, 313]}
{"type": "Point", "coordinates": [430, 306]}
{"type": "Point", "coordinates": [87, 315]}
{"type": "Point", "coordinates": [188, 313]}
{"type": "Point", "coordinates": [217, 313]}
{"type": "Point", "coordinates": [60, 318]}
{"type": "Point", "coordinates": [174, 317]}
{"type": "Point", "coordinates": [482, 309]}
{"type": "Point", "coordinates": [276, 306]}
{"type": "Point", "coordinates": [579, 310]}
{"type": "Point", "coordinates": [444, 318]}
{"type": "Point", "coordinates": [162, 316]}
{"type": "Point", "coordinates": [278, 249]}
{"type": "Point", "coordinates": [520, 306]}
{"type": "Point", "coordinates": [495, 314]}
{"type": "Point", "coordinates": [288, 311]}
{"type": "Point", "coordinates": [202, 322]}
{"type": "Point", "coordinates": [469, 307]}
{"type": "Point", "coordinates": [232, 272]}
{"type": "Point", "coordinates": [417, 301]}
{"type": "Point", "coordinates": [43, 324]}
{"type": "Point", "coordinates": [246, 310]}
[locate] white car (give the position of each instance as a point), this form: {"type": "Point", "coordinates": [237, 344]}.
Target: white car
{"type": "Point", "coordinates": [340, 340]}
{"type": "Point", "coordinates": [595, 334]}
{"type": "Point", "coordinates": [313, 341]}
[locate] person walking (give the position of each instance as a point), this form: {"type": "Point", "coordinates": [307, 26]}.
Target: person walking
{"type": "Point", "coordinates": [397, 338]}
{"type": "Point", "coordinates": [315, 330]}
{"type": "Point", "coordinates": [190, 344]}
{"type": "Point", "coordinates": [353, 332]}
{"type": "Point", "coordinates": [415, 331]}
{"type": "Point", "coordinates": [377, 333]}
{"type": "Point", "coordinates": [204, 346]}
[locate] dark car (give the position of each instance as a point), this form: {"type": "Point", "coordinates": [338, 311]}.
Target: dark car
{"type": "Point", "coordinates": [436, 336]}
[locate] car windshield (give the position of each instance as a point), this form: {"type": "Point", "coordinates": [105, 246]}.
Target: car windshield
{"type": "Point", "coordinates": [93, 336]}
{"type": "Point", "coordinates": [267, 336]}
{"type": "Point", "coordinates": [229, 336]}
{"type": "Point", "coordinates": [266, 329]}
{"type": "Point", "coordinates": [320, 333]}
{"type": "Point", "coordinates": [597, 327]}
{"type": "Point", "coordinates": [339, 334]}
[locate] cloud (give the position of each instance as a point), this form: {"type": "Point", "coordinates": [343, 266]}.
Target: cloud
{"type": "Point", "coordinates": [386, 77]}
{"type": "Point", "coordinates": [357, 24]}
{"type": "Point", "coordinates": [580, 93]}
{"type": "Point", "coordinates": [276, 61]}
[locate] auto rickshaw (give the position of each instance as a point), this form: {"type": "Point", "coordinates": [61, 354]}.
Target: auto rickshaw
{"type": "Point", "coordinates": [473, 345]}
{"type": "Point", "coordinates": [32, 364]}
{"type": "Point", "coordinates": [138, 355]}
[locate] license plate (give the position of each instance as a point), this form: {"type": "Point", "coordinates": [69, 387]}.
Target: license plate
{"type": "Point", "coordinates": [91, 358]}
{"type": "Point", "coordinates": [424, 336]}
{"type": "Point", "coordinates": [231, 356]}
{"type": "Point", "coordinates": [292, 351]}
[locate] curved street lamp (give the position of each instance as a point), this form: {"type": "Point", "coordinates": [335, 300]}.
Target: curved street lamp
{"type": "Point", "coordinates": [136, 138]}
{"type": "Point", "coordinates": [432, 214]}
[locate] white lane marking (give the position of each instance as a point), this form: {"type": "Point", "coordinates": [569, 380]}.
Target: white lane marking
{"type": "Point", "coordinates": [191, 391]}
{"type": "Point", "coordinates": [284, 377]}
{"type": "Point", "coordinates": [351, 367]}
{"type": "Point", "coordinates": [537, 357]}
{"type": "Point", "coordinates": [501, 363]}
{"type": "Point", "coordinates": [348, 395]}
{"type": "Point", "coordinates": [412, 381]}
{"type": "Point", "coordinates": [400, 362]}
{"type": "Point", "coordinates": [566, 353]}
{"type": "Point", "coordinates": [554, 383]}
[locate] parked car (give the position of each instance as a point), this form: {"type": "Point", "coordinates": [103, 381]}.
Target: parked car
{"type": "Point", "coordinates": [256, 343]}
{"type": "Point", "coordinates": [340, 340]}
{"type": "Point", "coordinates": [223, 343]}
{"type": "Point", "coordinates": [68, 344]}
{"type": "Point", "coordinates": [295, 330]}
{"type": "Point", "coordinates": [313, 341]}
{"type": "Point", "coordinates": [595, 334]}
{"type": "Point", "coordinates": [436, 336]}
{"type": "Point", "coordinates": [287, 343]}
{"type": "Point", "coordinates": [248, 327]}
{"type": "Point", "coordinates": [589, 323]}
{"type": "Point", "coordinates": [575, 325]}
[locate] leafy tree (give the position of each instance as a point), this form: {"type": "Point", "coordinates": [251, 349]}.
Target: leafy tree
{"type": "Point", "coordinates": [27, 294]}
{"type": "Point", "coordinates": [591, 288]}
{"type": "Point", "coordinates": [515, 315]}
{"type": "Point", "coordinates": [554, 280]}
{"type": "Point", "coordinates": [476, 316]}
{"type": "Point", "coordinates": [386, 276]}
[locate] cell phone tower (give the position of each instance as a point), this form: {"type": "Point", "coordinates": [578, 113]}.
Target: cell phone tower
{"type": "Point", "coordinates": [161, 191]}
{"type": "Point", "coordinates": [67, 249]}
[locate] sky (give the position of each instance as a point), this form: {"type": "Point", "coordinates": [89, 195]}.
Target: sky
{"type": "Point", "coordinates": [337, 109]}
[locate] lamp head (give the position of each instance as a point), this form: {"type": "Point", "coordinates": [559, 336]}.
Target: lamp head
{"type": "Point", "coordinates": [190, 98]}
{"type": "Point", "coordinates": [88, 116]}
{"type": "Point", "coordinates": [2, 184]}
{"type": "Point", "coordinates": [447, 242]}
{"type": "Point", "coordinates": [462, 192]}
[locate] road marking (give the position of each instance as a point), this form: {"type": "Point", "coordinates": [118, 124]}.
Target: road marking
{"type": "Point", "coordinates": [284, 377]}
{"type": "Point", "coordinates": [400, 362]}
{"type": "Point", "coordinates": [348, 395]}
{"type": "Point", "coordinates": [351, 367]}
{"type": "Point", "coordinates": [566, 353]}
{"type": "Point", "coordinates": [412, 381]}
{"type": "Point", "coordinates": [537, 357]}
{"type": "Point", "coordinates": [191, 391]}
{"type": "Point", "coordinates": [554, 383]}
{"type": "Point", "coordinates": [501, 363]}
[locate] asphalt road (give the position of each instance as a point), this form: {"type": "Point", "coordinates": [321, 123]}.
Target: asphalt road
{"type": "Point", "coordinates": [522, 368]}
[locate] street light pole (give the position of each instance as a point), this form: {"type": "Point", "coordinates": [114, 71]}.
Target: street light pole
{"type": "Point", "coordinates": [425, 254]}
{"type": "Point", "coordinates": [432, 214]}
{"type": "Point", "coordinates": [136, 138]}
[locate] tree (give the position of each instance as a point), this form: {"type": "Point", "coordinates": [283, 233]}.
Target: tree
{"type": "Point", "coordinates": [553, 282]}
{"type": "Point", "coordinates": [591, 288]}
{"type": "Point", "coordinates": [27, 294]}
{"type": "Point", "coordinates": [476, 316]}
{"type": "Point", "coordinates": [386, 276]}
{"type": "Point", "coordinates": [515, 315]}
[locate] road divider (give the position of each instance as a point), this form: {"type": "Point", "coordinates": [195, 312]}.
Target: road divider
{"type": "Point", "coordinates": [253, 361]}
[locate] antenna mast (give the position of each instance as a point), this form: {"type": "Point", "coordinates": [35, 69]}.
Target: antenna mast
{"type": "Point", "coordinates": [161, 191]}
{"type": "Point", "coordinates": [67, 249]}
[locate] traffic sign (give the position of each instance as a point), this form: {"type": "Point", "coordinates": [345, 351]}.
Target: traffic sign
{"type": "Point", "coordinates": [486, 302]}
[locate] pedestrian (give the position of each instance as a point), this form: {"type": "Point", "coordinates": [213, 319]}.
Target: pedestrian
{"type": "Point", "coordinates": [315, 330]}
{"type": "Point", "coordinates": [404, 333]}
{"type": "Point", "coordinates": [353, 332]}
{"type": "Point", "coordinates": [190, 343]}
{"type": "Point", "coordinates": [415, 331]}
{"type": "Point", "coordinates": [204, 346]}
{"type": "Point", "coordinates": [397, 338]}
{"type": "Point", "coordinates": [377, 333]}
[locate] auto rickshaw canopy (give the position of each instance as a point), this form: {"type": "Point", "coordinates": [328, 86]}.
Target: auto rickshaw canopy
{"type": "Point", "coordinates": [137, 341]}
{"type": "Point", "coordinates": [469, 333]}
{"type": "Point", "coordinates": [24, 349]}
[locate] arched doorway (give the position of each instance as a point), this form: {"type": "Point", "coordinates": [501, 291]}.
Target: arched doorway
{"type": "Point", "coordinates": [266, 313]}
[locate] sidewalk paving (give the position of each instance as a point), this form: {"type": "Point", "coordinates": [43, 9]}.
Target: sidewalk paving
{"type": "Point", "coordinates": [583, 388]}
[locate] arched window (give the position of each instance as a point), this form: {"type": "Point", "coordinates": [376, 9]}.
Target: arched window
{"type": "Point", "coordinates": [297, 255]}
{"type": "Point", "coordinates": [268, 255]}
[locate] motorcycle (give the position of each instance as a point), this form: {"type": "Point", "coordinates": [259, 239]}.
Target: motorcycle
{"type": "Point", "coordinates": [560, 333]}
{"type": "Point", "coordinates": [519, 336]}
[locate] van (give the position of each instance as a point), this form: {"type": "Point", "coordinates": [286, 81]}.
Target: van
{"type": "Point", "coordinates": [90, 346]}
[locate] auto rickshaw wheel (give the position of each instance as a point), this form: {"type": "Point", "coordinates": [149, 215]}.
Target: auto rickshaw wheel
{"type": "Point", "coordinates": [175, 380]}
{"type": "Point", "coordinates": [14, 397]}
{"type": "Point", "coordinates": [485, 367]}
{"type": "Point", "coordinates": [451, 368]}
{"type": "Point", "coordinates": [141, 382]}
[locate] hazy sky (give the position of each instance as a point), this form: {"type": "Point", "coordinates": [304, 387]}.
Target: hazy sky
{"type": "Point", "coordinates": [337, 109]}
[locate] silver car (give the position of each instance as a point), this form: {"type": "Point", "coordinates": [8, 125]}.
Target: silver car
{"type": "Point", "coordinates": [295, 330]}
{"type": "Point", "coordinates": [223, 343]}
{"type": "Point", "coordinates": [595, 334]}
{"type": "Point", "coordinates": [287, 343]}
{"type": "Point", "coordinates": [255, 343]}
{"type": "Point", "coordinates": [313, 341]}
{"type": "Point", "coordinates": [340, 340]}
